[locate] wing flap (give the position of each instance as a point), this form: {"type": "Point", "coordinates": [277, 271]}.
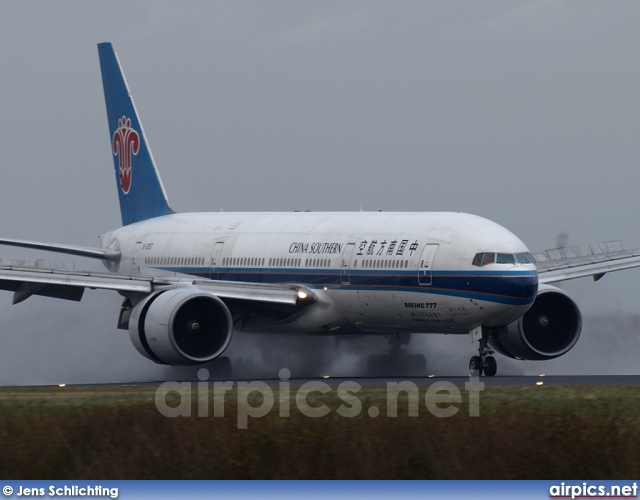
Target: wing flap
{"type": "Point", "coordinates": [70, 285]}
{"type": "Point", "coordinates": [25, 282]}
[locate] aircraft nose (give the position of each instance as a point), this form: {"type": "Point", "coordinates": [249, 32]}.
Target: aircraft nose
{"type": "Point", "coordinates": [520, 284]}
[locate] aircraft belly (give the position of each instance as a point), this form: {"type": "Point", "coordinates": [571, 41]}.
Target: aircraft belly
{"type": "Point", "coordinates": [420, 312]}
{"type": "Point", "coordinates": [397, 311]}
{"type": "Point", "coordinates": [383, 312]}
{"type": "Point", "coordinates": [321, 318]}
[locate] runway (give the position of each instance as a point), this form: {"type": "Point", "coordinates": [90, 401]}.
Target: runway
{"type": "Point", "coordinates": [522, 381]}
{"type": "Point", "coordinates": [497, 381]}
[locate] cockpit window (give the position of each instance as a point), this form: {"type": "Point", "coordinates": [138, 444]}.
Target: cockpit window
{"type": "Point", "coordinates": [525, 258]}
{"type": "Point", "coordinates": [485, 258]}
{"type": "Point", "coordinates": [489, 258]}
{"type": "Point", "coordinates": [506, 258]}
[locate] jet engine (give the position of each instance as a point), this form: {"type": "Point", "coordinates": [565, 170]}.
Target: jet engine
{"type": "Point", "coordinates": [549, 329]}
{"type": "Point", "coordinates": [183, 326]}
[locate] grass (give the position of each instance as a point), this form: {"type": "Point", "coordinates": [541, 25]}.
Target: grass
{"type": "Point", "coordinates": [521, 433]}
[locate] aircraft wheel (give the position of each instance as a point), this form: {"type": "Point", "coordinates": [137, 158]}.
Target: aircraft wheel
{"type": "Point", "coordinates": [475, 366]}
{"type": "Point", "coordinates": [490, 366]}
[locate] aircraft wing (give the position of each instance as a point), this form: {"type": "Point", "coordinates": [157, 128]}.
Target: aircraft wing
{"type": "Point", "coordinates": [595, 259]}
{"type": "Point", "coordinates": [89, 252]}
{"type": "Point", "coordinates": [70, 285]}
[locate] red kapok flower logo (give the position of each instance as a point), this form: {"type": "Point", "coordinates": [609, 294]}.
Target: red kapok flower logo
{"type": "Point", "coordinates": [126, 142]}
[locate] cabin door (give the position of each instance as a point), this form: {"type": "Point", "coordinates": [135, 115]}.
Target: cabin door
{"type": "Point", "coordinates": [215, 259]}
{"type": "Point", "coordinates": [345, 265]}
{"type": "Point", "coordinates": [425, 276]}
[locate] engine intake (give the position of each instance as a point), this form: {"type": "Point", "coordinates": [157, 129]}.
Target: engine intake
{"type": "Point", "coordinates": [181, 327]}
{"type": "Point", "coordinates": [549, 329]}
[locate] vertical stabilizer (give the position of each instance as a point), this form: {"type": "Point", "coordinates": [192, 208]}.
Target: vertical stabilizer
{"type": "Point", "coordinates": [142, 195]}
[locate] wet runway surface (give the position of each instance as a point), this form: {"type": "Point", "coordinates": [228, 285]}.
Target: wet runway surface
{"type": "Point", "coordinates": [557, 380]}
{"type": "Point", "coordinates": [497, 381]}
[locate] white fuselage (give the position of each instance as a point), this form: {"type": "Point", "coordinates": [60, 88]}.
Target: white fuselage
{"type": "Point", "coordinates": [377, 272]}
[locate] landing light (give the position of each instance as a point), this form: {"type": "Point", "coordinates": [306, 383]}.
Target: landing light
{"type": "Point", "coordinates": [62, 385]}
{"type": "Point", "coordinates": [431, 376]}
{"type": "Point", "coordinates": [325, 376]}
{"type": "Point", "coordinates": [302, 294]}
{"type": "Point", "coordinates": [540, 383]}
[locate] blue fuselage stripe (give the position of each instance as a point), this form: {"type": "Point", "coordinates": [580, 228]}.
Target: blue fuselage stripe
{"type": "Point", "coordinates": [516, 288]}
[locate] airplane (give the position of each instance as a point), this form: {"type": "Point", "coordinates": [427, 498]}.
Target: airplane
{"type": "Point", "coordinates": [190, 280]}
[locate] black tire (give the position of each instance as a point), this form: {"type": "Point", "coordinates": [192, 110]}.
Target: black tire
{"type": "Point", "coordinates": [475, 366]}
{"type": "Point", "coordinates": [490, 366]}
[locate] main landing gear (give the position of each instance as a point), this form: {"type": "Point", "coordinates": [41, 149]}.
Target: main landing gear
{"type": "Point", "coordinates": [484, 362]}
{"type": "Point", "coordinates": [396, 362]}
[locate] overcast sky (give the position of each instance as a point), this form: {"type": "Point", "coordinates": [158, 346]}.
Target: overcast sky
{"type": "Point", "coordinates": [526, 113]}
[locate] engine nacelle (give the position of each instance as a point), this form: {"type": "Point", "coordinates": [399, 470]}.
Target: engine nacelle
{"type": "Point", "coordinates": [183, 326]}
{"type": "Point", "coordinates": [549, 329]}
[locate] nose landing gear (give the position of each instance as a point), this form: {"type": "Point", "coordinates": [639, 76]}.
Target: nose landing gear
{"type": "Point", "coordinates": [484, 362]}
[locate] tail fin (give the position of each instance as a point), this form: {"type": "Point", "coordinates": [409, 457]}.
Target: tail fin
{"type": "Point", "coordinates": [142, 195]}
